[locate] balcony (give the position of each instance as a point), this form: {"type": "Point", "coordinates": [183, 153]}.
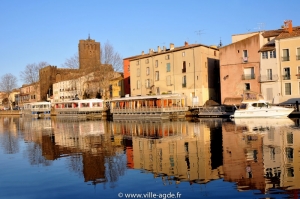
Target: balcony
{"type": "Point", "coordinates": [268, 78]}
{"type": "Point", "coordinates": [287, 58]}
{"type": "Point", "coordinates": [245, 59]}
{"type": "Point", "coordinates": [286, 77]}
{"type": "Point", "coordinates": [248, 76]}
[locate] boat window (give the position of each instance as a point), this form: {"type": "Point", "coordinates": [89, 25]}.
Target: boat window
{"type": "Point", "coordinates": [85, 104]}
{"type": "Point", "coordinates": [243, 106]}
{"type": "Point", "coordinates": [254, 104]}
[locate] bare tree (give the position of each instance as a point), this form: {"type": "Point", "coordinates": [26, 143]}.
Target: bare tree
{"type": "Point", "coordinates": [72, 62]}
{"type": "Point", "coordinates": [110, 56]}
{"type": "Point", "coordinates": [31, 73]}
{"type": "Point", "coordinates": [8, 82]}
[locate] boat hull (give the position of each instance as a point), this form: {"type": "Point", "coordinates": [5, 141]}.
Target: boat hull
{"type": "Point", "coordinates": [263, 112]}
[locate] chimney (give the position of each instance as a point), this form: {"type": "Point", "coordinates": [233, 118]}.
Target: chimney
{"type": "Point", "coordinates": [186, 43]}
{"type": "Point", "coordinates": [150, 51]}
{"type": "Point", "coordinates": [142, 52]}
{"type": "Point", "coordinates": [164, 49]}
{"type": "Point", "coordinates": [288, 25]}
{"type": "Point", "coordinates": [171, 46]}
{"type": "Point", "coordinates": [158, 49]}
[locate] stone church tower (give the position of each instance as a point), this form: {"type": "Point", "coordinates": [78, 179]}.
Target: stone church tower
{"type": "Point", "coordinates": [89, 53]}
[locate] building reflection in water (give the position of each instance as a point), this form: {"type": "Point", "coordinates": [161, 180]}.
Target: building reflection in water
{"type": "Point", "coordinates": [260, 154]}
{"type": "Point", "coordinates": [173, 151]}
{"type": "Point", "coordinates": [256, 154]}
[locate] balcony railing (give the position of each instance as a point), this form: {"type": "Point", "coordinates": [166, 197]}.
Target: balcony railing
{"type": "Point", "coordinates": [248, 76]}
{"type": "Point", "coordinates": [286, 77]}
{"type": "Point", "coordinates": [287, 58]}
{"type": "Point", "coordinates": [268, 78]}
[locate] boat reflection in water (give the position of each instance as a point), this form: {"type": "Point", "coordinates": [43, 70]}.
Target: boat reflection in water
{"type": "Point", "coordinates": [261, 154]}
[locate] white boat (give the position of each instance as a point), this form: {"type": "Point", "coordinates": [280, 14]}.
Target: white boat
{"type": "Point", "coordinates": [37, 109]}
{"type": "Point", "coordinates": [149, 107]}
{"type": "Point", "coordinates": [80, 109]}
{"type": "Point", "coordinates": [254, 105]}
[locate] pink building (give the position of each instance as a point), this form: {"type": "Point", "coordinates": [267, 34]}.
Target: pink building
{"type": "Point", "coordinates": [239, 67]}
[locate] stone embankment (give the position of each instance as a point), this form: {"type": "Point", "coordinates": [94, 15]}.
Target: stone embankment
{"type": "Point", "coordinates": [10, 112]}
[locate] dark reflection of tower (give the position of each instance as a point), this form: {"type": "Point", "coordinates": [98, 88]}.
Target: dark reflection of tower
{"type": "Point", "coordinates": [129, 152]}
{"type": "Point", "coordinates": [216, 146]}
{"type": "Point", "coordinates": [93, 167]}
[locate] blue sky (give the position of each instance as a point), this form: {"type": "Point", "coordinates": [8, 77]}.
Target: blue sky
{"type": "Point", "coordinates": [49, 30]}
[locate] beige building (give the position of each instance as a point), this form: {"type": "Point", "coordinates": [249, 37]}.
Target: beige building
{"type": "Point", "coordinates": [116, 87]}
{"type": "Point", "coordinates": [192, 70]}
{"type": "Point", "coordinates": [280, 64]}
{"type": "Point", "coordinates": [29, 93]}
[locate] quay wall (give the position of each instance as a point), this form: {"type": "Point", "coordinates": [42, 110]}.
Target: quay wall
{"type": "Point", "coordinates": [10, 112]}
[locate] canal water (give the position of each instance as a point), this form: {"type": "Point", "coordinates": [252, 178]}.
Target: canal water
{"type": "Point", "coordinates": [203, 158]}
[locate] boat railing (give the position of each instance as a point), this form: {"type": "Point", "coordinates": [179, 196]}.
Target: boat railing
{"type": "Point", "coordinates": [80, 109]}
{"type": "Point", "coordinates": [37, 109]}
{"type": "Point", "coordinates": [148, 109]}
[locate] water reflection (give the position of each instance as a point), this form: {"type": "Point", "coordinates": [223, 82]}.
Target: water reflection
{"type": "Point", "coordinates": [256, 154]}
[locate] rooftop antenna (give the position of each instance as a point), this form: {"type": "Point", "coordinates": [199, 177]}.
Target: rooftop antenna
{"type": "Point", "coordinates": [199, 32]}
{"type": "Point", "coordinates": [220, 44]}
{"type": "Point", "coordinates": [89, 38]}
{"type": "Point", "coordinates": [260, 26]}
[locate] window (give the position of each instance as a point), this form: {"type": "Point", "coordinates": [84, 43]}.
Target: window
{"type": "Point", "coordinates": [286, 74]}
{"type": "Point", "coordinates": [245, 56]}
{"type": "Point", "coordinates": [147, 83]}
{"type": "Point", "coordinates": [156, 63]}
{"type": "Point", "coordinates": [183, 54]}
{"type": "Point", "coordinates": [247, 86]}
{"type": "Point", "coordinates": [137, 62]}
{"type": "Point", "coordinates": [147, 71]}
{"type": "Point", "coordinates": [273, 54]}
{"type": "Point", "coordinates": [245, 53]}
{"type": "Point", "coordinates": [183, 66]}
{"type": "Point", "coordinates": [298, 54]}
{"type": "Point", "coordinates": [157, 91]}
{"type": "Point", "coordinates": [156, 75]}
{"type": "Point", "coordinates": [167, 57]}
{"type": "Point", "coordinates": [138, 84]}
{"type": "Point", "coordinates": [138, 72]}
{"type": "Point", "coordinates": [287, 89]}
{"type": "Point", "coordinates": [269, 74]}
{"type": "Point", "coordinates": [128, 68]}
{"type": "Point", "coordinates": [169, 80]}
{"type": "Point", "coordinates": [248, 73]}
{"type": "Point", "coordinates": [168, 67]}
{"type": "Point", "coordinates": [264, 55]}
{"type": "Point", "coordinates": [184, 81]}
{"type": "Point", "coordinates": [147, 61]}
{"type": "Point", "coordinates": [286, 55]}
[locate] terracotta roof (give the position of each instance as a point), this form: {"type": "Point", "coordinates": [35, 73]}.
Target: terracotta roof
{"type": "Point", "coordinates": [268, 46]}
{"type": "Point", "coordinates": [275, 33]}
{"type": "Point", "coordinates": [168, 51]}
{"type": "Point", "coordinates": [232, 101]}
{"type": "Point", "coordinates": [285, 35]}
